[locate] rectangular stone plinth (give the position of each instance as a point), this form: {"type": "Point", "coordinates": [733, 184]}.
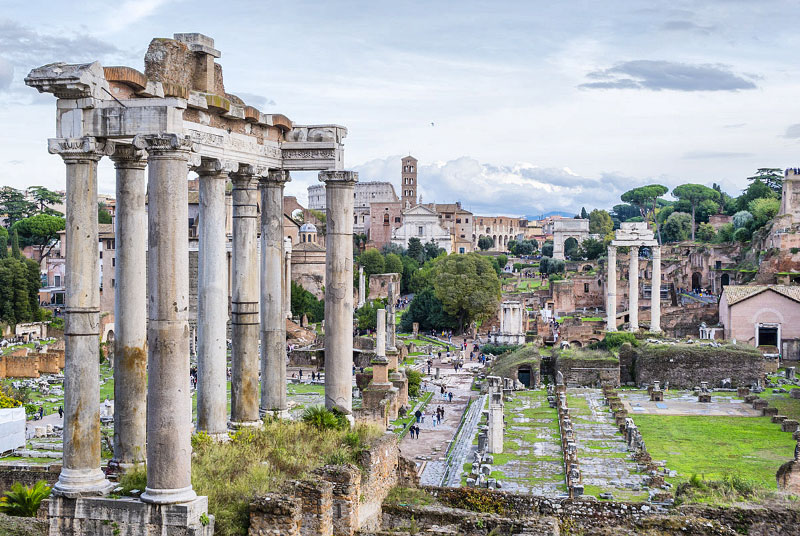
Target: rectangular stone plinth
{"type": "Point", "coordinates": [769, 412]}
{"type": "Point", "coordinates": [777, 418]}
{"type": "Point", "coordinates": [789, 425]}
{"type": "Point", "coordinates": [760, 404]}
{"type": "Point", "coordinates": [131, 517]}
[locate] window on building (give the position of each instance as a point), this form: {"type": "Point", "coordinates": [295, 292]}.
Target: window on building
{"type": "Point", "coordinates": [101, 253]}
{"type": "Point", "coordinates": [114, 261]}
{"type": "Point", "coordinates": [57, 280]}
{"type": "Point", "coordinates": [397, 219]}
{"type": "Point", "coordinates": [586, 287]}
{"type": "Point", "coordinates": [447, 216]}
{"type": "Point", "coordinates": [466, 220]}
{"type": "Point", "coordinates": [462, 236]}
{"type": "Point", "coordinates": [420, 231]}
{"type": "Point", "coordinates": [458, 220]}
{"type": "Point", "coordinates": [113, 283]}
{"type": "Point", "coordinates": [461, 250]}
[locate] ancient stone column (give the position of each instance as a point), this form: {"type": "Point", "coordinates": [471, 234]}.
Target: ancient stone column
{"type": "Point", "coordinates": [80, 472]}
{"type": "Point", "coordinates": [655, 293]}
{"type": "Point", "coordinates": [339, 289]}
{"type": "Point", "coordinates": [611, 289]}
{"type": "Point", "coordinates": [287, 277]}
{"type": "Point", "coordinates": [244, 300]}
{"type": "Point", "coordinates": [633, 291]}
{"type": "Point", "coordinates": [273, 319]}
{"type": "Point", "coordinates": [130, 308]}
{"type": "Point", "coordinates": [169, 399]}
{"type": "Point", "coordinates": [361, 287]}
{"type": "Point", "coordinates": [391, 318]}
{"type": "Point", "coordinates": [212, 299]}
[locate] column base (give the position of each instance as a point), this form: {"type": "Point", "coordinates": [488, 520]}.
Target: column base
{"type": "Point", "coordinates": [282, 414]}
{"type": "Point", "coordinates": [117, 466]}
{"type": "Point", "coordinates": [236, 425]}
{"type": "Point", "coordinates": [75, 483]}
{"type": "Point", "coordinates": [168, 496]}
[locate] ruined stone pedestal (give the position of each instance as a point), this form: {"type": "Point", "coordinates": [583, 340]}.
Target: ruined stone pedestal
{"type": "Point", "coordinates": [788, 477]}
{"type": "Point", "coordinates": [656, 396]}
{"type": "Point", "coordinates": [704, 398]}
{"type": "Point", "coordinates": [109, 517]}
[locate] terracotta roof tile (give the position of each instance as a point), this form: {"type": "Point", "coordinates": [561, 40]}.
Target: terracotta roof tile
{"type": "Point", "coordinates": [737, 293]}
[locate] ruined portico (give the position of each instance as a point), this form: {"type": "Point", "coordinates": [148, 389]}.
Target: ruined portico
{"type": "Point", "coordinates": [633, 235]}
{"type": "Point", "coordinates": [173, 118]}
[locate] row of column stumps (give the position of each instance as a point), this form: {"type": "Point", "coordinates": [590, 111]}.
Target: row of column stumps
{"type": "Point", "coordinates": [151, 307]}
{"type": "Point", "coordinates": [633, 290]}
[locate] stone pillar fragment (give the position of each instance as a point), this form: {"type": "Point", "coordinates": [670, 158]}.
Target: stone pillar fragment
{"type": "Point", "coordinates": [169, 400]}
{"type": "Point", "coordinates": [633, 291]}
{"type": "Point", "coordinates": [80, 472]}
{"type": "Point", "coordinates": [287, 277]}
{"type": "Point", "coordinates": [244, 299]}
{"type": "Point", "coordinates": [130, 308]}
{"type": "Point", "coordinates": [212, 299]}
{"type": "Point", "coordinates": [391, 342]}
{"type": "Point", "coordinates": [611, 289]}
{"type": "Point", "coordinates": [655, 293]}
{"type": "Point", "coordinates": [339, 289]}
{"type": "Point", "coordinates": [361, 287]}
{"type": "Point", "coordinates": [273, 276]}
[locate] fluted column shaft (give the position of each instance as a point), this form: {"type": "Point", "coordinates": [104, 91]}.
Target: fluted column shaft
{"type": "Point", "coordinates": [391, 343]}
{"type": "Point", "coordinates": [633, 291]}
{"type": "Point", "coordinates": [611, 289]}
{"type": "Point", "coordinates": [80, 472]}
{"type": "Point", "coordinates": [244, 302]}
{"type": "Point", "coordinates": [655, 293]}
{"type": "Point", "coordinates": [273, 319]}
{"type": "Point", "coordinates": [130, 308]}
{"type": "Point", "coordinates": [287, 277]}
{"type": "Point", "coordinates": [339, 289]}
{"type": "Point", "coordinates": [212, 300]}
{"type": "Point", "coordinates": [169, 399]}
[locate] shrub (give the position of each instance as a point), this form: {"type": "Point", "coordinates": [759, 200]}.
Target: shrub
{"type": "Point", "coordinates": [323, 418]}
{"type": "Point", "coordinates": [8, 402]}
{"type": "Point", "coordinates": [794, 250]}
{"type": "Point", "coordinates": [615, 339]}
{"type": "Point", "coordinates": [497, 349]}
{"type": "Point", "coordinates": [24, 501]}
{"type": "Point", "coordinates": [742, 235]}
{"type": "Point", "coordinates": [414, 382]}
{"type": "Point", "coordinates": [742, 219]}
{"type": "Point", "coordinates": [134, 478]}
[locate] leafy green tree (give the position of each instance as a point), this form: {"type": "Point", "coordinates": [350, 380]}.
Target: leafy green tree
{"type": "Point", "coordinates": [415, 250]}
{"type": "Point", "coordinates": [572, 249]}
{"type": "Point", "coordinates": [556, 266]}
{"type": "Point", "coordinates": [547, 249]}
{"type": "Point", "coordinates": [772, 177]}
{"type": "Point", "coordinates": [305, 303]}
{"type": "Point", "coordinates": [706, 232]}
{"type": "Point", "coordinates": [3, 243]}
{"type": "Point", "coordinates": [756, 190]}
{"type": "Point", "coordinates": [512, 245]}
{"type": "Point", "coordinates": [103, 215]}
{"type": "Point", "coordinates": [592, 248]}
{"type": "Point", "coordinates": [393, 264]}
{"type": "Point", "coordinates": [523, 247]}
{"type": "Point", "coordinates": [764, 209]}
{"type": "Point", "coordinates": [432, 250]}
{"type": "Point", "coordinates": [397, 249]}
{"type": "Point", "coordinates": [427, 309]}
{"type": "Point", "coordinates": [725, 233]}
{"type": "Point", "coordinates": [677, 227]}
{"type": "Point", "coordinates": [600, 222]}
{"type": "Point", "coordinates": [695, 194]}
{"type": "Point", "coordinates": [359, 241]}
{"type": "Point", "coordinates": [485, 242]}
{"type": "Point", "coordinates": [742, 235]}
{"type": "Point", "coordinates": [584, 214]}
{"type": "Point", "coordinates": [372, 261]}
{"type": "Point", "coordinates": [502, 260]}
{"type": "Point", "coordinates": [19, 290]}
{"type": "Point", "coordinates": [742, 219]}
{"type": "Point", "coordinates": [367, 315]}
{"type": "Point", "coordinates": [15, 244]}
{"type": "Point", "coordinates": [44, 197]}
{"type": "Point", "coordinates": [40, 230]}
{"type": "Point", "coordinates": [468, 287]}
{"type": "Point", "coordinates": [410, 267]}
{"type": "Point", "coordinates": [624, 212]}
{"type": "Point", "coordinates": [703, 212]}
{"type": "Point", "coordinates": [14, 205]}
{"type": "Point", "coordinates": [645, 198]}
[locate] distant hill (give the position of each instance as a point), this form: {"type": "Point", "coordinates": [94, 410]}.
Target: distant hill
{"type": "Point", "coordinates": [552, 213]}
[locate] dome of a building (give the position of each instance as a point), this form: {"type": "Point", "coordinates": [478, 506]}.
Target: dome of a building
{"type": "Point", "coordinates": [308, 228]}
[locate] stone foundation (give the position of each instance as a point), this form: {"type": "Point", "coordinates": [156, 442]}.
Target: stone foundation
{"type": "Point", "coordinates": [100, 516]}
{"type": "Point", "coordinates": [27, 475]}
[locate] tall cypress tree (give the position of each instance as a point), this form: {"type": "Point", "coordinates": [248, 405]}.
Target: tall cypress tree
{"type": "Point", "coordinates": [3, 246]}
{"type": "Point", "coordinates": [15, 244]}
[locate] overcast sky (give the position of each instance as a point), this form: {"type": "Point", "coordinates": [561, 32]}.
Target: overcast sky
{"type": "Point", "coordinates": [514, 108]}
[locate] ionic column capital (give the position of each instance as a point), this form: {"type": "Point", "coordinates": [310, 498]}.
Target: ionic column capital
{"type": "Point", "coordinates": [338, 178]}
{"type": "Point", "coordinates": [165, 145]}
{"type": "Point", "coordinates": [128, 157]}
{"type": "Point", "coordinates": [275, 177]}
{"type": "Point", "coordinates": [80, 149]}
{"type": "Point", "coordinates": [210, 167]}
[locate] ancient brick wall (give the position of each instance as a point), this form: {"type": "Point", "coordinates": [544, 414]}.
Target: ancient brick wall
{"type": "Point", "coordinates": [584, 372]}
{"type": "Point", "coordinates": [50, 363]}
{"type": "Point", "coordinates": [22, 366]}
{"type": "Point", "coordinates": [584, 333]}
{"type": "Point", "coordinates": [685, 365]}
{"type": "Point", "coordinates": [27, 475]}
{"type": "Point", "coordinates": [380, 465]}
{"type": "Point", "coordinates": [275, 514]}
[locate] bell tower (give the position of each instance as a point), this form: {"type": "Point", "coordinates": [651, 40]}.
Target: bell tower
{"type": "Point", "coordinates": [408, 182]}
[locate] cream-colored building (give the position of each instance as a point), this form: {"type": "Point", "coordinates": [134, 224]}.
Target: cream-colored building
{"type": "Point", "coordinates": [423, 223]}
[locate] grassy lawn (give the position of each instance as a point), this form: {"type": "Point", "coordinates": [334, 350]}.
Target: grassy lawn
{"type": "Point", "coordinates": [751, 447]}
{"type": "Point", "coordinates": [786, 405]}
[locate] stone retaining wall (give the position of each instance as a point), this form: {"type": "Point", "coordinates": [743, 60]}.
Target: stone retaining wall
{"type": "Point", "coordinates": [27, 475]}
{"type": "Point", "coordinates": [583, 372]}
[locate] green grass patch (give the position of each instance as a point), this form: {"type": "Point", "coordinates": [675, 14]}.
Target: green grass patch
{"type": "Point", "coordinates": [713, 447]}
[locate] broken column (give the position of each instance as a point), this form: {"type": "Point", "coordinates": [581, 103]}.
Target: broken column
{"type": "Point", "coordinates": [361, 287]}
{"type": "Point", "coordinates": [380, 387]}
{"type": "Point", "coordinates": [169, 403]}
{"type": "Point", "coordinates": [495, 415]}
{"type": "Point", "coordinates": [80, 472]}
{"type": "Point", "coordinates": [391, 342]}
{"type": "Point", "coordinates": [130, 308]}
{"type": "Point", "coordinates": [339, 289]}
{"type": "Point", "coordinates": [655, 291]}
{"type": "Point", "coordinates": [287, 276]}
{"type": "Point", "coordinates": [212, 299]}
{"type": "Point", "coordinates": [244, 299]}
{"type": "Point", "coordinates": [633, 291]}
{"type": "Point", "coordinates": [611, 289]}
{"type": "Point", "coordinates": [273, 319]}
